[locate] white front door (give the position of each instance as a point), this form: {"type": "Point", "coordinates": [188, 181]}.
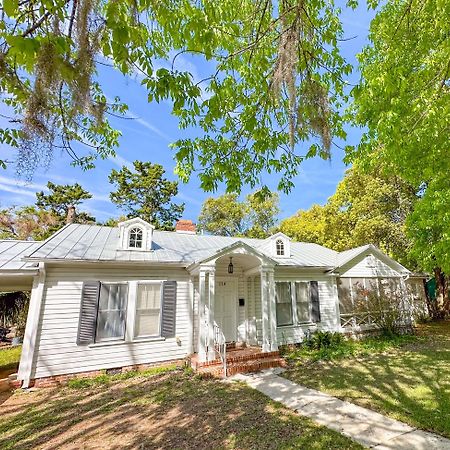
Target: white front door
{"type": "Point", "coordinates": [225, 307]}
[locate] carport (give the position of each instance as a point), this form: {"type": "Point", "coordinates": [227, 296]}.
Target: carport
{"type": "Point", "coordinates": [16, 274]}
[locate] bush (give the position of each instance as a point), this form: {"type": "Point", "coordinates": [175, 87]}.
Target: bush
{"type": "Point", "coordinates": [324, 339]}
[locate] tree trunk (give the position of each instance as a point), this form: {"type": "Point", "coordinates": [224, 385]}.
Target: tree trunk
{"type": "Point", "coordinates": [70, 214]}
{"type": "Point", "coordinates": [442, 303]}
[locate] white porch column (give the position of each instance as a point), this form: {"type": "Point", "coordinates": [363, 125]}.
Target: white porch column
{"type": "Point", "coordinates": [212, 285]}
{"type": "Point", "coordinates": [202, 329]}
{"type": "Point", "coordinates": [31, 328]}
{"type": "Point", "coordinates": [273, 311]}
{"type": "Point", "coordinates": [265, 311]}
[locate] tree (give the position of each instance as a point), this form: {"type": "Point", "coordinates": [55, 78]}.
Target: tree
{"type": "Point", "coordinates": [277, 80]}
{"type": "Point", "coordinates": [63, 200]}
{"type": "Point", "coordinates": [307, 225]}
{"type": "Point", "coordinates": [262, 213]}
{"type": "Point", "coordinates": [223, 216]}
{"type": "Point", "coordinates": [227, 216]}
{"type": "Point", "coordinates": [404, 102]}
{"type": "Point", "coordinates": [366, 208]}
{"type": "Point", "coordinates": [27, 223]}
{"type": "Point", "coordinates": [145, 193]}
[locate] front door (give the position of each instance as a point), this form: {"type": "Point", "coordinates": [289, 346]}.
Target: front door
{"type": "Point", "coordinates": [225, 307]}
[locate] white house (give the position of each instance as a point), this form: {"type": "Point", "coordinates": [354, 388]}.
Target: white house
{"type": "Point", "coordinates": [105, 298]}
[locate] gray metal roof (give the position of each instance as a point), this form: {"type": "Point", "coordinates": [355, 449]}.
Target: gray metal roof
{"type": "Point", "coordinates": [12, 254]}
{"type": "Point", "coordinates": [99, 243]}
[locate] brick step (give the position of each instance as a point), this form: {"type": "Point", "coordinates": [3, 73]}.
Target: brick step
{"type": "Point", "coordinates": [243, 367]}
{"type": "Point", "coordinates": [236, 356]}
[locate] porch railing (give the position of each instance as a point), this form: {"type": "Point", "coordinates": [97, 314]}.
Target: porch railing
{"type": "Point", "coordinates": [220, 346]}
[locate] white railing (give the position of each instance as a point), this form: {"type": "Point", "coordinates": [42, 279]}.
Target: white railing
{"type": "Point", "coordinates": [220, 346]}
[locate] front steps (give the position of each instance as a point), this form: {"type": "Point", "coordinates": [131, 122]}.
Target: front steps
{"type": "Point", "coordinates": [239, 360]}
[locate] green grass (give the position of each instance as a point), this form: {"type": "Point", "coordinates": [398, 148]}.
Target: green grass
{"type": "Point", "coordinates": [345, 348]}
{"type": "Point", "coordinates": [9, 360]}
{"type": "Point", "coordinates": [407, 378]}
{"type": "Point", "coordinates": [167, 410]}
{"type": "Point", "coordinates": [105, 379]}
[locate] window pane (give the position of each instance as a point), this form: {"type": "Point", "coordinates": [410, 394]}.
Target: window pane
{"type": "Point", "coordinates": [148, 312]}
{"type": "Point", "coordinates": [147, 323]}
{"type": "Point", "coordinates": [345, 298]}
{"type": "Point", "coordinates": [302, 297]}
{"type": "Point", "coordinates": [149, 296]}
{"type": "Point", "coordinates": [110, 324]}
{"type": "Point", "coordinates": [284, 304]}
{"type": "Point", "coordinates": [111, 311]}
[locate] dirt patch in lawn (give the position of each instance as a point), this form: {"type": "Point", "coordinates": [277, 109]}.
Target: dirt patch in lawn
{"type": "Point", "coordinates": [169, 411]}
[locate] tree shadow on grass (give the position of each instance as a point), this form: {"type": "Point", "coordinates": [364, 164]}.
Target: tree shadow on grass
{"type": "Point", "coordinates": [411, 384]}
{"type": "Point", "coordinates": [166, 411]}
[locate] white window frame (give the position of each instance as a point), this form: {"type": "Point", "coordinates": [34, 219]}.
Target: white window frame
{"type": "Point", "coordinates": [113, 339]}
{"type": "Point", "coordinates": [295, 321]}
{"type": "Point", "coordinates": [142, 241]}
{"type": "Point", "coordinates": [132, 304]}
{"type": "Point", "coordinates": [280, 247]}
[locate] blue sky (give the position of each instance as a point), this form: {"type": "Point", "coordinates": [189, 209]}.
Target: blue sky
{"type": "Point", "coordinates": [148, 137]}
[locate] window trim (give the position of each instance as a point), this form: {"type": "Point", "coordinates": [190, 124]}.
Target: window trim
{"type": "Point", "coordinates": [112, 339]}
{"type": "Point", "coordinates": [132, 303]}
{"type": "Point", "coordinates": [131, 230]}
{"type": "Point", "coordinates": [295, 321]}
{"type": "Point", "coordinates": [280, 247]}
{"type": "Point", "coordinates": [148, 336]}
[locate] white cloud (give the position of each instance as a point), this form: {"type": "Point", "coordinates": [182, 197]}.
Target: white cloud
{"type": "Point", "coordinates": [152, 128]}
{"type": "Point", "coordinates": [188, 199]}
{"type": "Point", "coordinates": [16, 190]}
{"type": "Point", "coordinates": [120, 161]}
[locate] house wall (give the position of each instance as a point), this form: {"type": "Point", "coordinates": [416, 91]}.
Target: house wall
{"type": "Point", "coordinates": [56, 349]}
{"type": "Point", "coordinates": [329, 305]}
{"type": "Point", "coordinates": [367, 266]}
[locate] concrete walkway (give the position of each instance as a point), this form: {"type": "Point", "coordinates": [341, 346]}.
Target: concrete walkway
{"type": "Point", "coordinates": [367, 427]}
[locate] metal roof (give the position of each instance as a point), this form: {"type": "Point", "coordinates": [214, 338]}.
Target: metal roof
{"type": "Point", "coordinates": [77, 242]}
{"type": "Point", "coordinates": [12, 254]}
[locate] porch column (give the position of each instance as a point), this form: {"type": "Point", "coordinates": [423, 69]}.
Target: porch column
{"type": "Point", "coordinates": [202, 328]}
{"type": "Point", "coordinates": [265, 311]}
{"type": "Point", "coordinates": [273, 311]}
{"type": "Point", "coordinates": [212, 284]}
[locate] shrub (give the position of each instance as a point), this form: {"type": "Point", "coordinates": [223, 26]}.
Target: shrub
{"type": "Point", "coordinates": [388, 310]}
{"type": "Point", "coordinates": [324, 339]}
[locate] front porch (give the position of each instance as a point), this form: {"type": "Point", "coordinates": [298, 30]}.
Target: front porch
{"type": "Point", "coordinates": [238, 359]}
{"type": "Point", "coordinates": [235, 303]}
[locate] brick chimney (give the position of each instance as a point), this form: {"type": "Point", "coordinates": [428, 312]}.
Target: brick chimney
{"type": "Point", "coordinates": [70, 214]}
{"type": "Point", "coordinates": [185, 226]}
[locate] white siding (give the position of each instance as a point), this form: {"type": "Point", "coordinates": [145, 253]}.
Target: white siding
{"type": "Point", "coordinates": [56, 349]}
{"type": "Point", "coordinates": [329, 314]}
{"type": "Point", "coordinates": [367, 266]}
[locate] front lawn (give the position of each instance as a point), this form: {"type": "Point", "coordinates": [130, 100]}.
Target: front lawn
{"type": "Point", "coordinates": [9, 360]}
{"type": "Point", "coordinates": [407, 379]}
{"type": "Point", "coordinates": [172, 410]}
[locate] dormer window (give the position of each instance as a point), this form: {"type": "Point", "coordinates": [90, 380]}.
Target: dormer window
{"type": "Point", "coordinates": [136, 238]}
{"type": "Point", "coordinates": [135, 234]}
{"type": "Point", "coordinates": [279, 247]}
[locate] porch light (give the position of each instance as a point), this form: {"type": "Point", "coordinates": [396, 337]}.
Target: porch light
{"type": "Point", "coordinates": [230, 266]}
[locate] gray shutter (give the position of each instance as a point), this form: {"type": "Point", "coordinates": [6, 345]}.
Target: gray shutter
{"type": "Point", "coordinates": [169, 309]}
{"type": "Point", "coordinates": [88, 312]}
{"type": "Point", "coordinates": [315, 304]}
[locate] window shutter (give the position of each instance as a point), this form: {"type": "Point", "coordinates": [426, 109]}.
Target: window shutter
{"type": "Point", "coordinates": [169, 309]}
{"type": "Point", "coordinates": [88, 312]}
{"type": "Point", "coordinates": [315, 304]}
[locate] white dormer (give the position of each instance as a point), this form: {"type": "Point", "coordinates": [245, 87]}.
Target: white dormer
{"type": "Point", "coordinates": [280, 245]}
{"type": "Point", "coordinates": [135, 234]}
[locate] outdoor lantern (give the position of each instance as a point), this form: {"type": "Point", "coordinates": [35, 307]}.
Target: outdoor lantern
{"type": "Point", "coordinates": [230, 266]}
